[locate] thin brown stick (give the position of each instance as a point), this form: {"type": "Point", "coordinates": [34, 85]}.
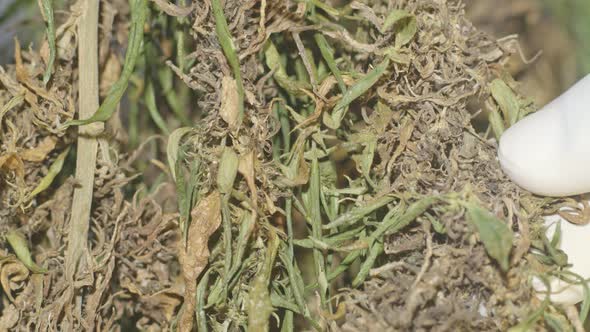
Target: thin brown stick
{"type": "Point", "coordinates": [87, 142]}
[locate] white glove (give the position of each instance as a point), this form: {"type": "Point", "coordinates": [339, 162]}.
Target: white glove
{"type": "Point", "coordinates": [548, 153]}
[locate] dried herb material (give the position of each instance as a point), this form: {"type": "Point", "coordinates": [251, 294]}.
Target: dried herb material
{"type": "Point", "coordinates": [269, 165]}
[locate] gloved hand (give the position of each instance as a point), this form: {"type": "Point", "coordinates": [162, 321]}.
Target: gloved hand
{"type": "Point", "coordinates": [548, 153]}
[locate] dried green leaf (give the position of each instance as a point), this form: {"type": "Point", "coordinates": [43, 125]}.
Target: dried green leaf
{"type": "Point", "coordinates": [374, 252]}
{"type": "Point", "coordinates": [52, 173]}
{"type": "Point", "coordinates": [20, 246]}
{"type": "Point", "coordinates": [273, 61]}
{"type": "Point", "coordinates": [296, 172]}
{"type": "Point", "coordinates": [357, 90]}
{"type": "Point", "coordinates": [496, 122]}
{"type": "Point", "coordinates": [358, 213]}
{"type": "Point", "coordinates": [405, 25]}
{"type": "Point", "coordinates": [555, 255]}
{"type": "Point", "coordinates": [150, 102]}
{"type": "Point", "coordinates": [311, 199]}
{"type": "Point", "coordinates": [47, 12]}
{"type": "Point", "coordinates": [280, 302]}
{"type": "Point", "coordinates": [328, 56]}
{"type": "Point", "coordinates": [394, 54]}
{"type": "Point", "coordinates": [556, 235]}
{"type": "Point", "coordinates": [202, 288]}
{"type": "Point", "coordinates": [247, 222]}
{"type": "Point", "coordinates": [224, 38]}
{"type": "Point", "coordinates": [116, 92]}
{"type": "Point", "coordinates": [507, 100]}
{"type": "Point", "coordinates": [259, 301]}
{"type": "Point", "coordinates": [495, 235]}
{"type": "Point", "coordinates": [370, 143]}
{"type": "Point", "coordinates": [12, 103]}
{"type": "Point", "coordinates": [557, 323]}
{"type": "Point", "coordinates": [173, 146]}
{"type": "Point", "coordinates": [296, 281]}
{"type": "Point", "coordinates": [394, 221]}
{"type": "Point", "coordinates": [228, 170]}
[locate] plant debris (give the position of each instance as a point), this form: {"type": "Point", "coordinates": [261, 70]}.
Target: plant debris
{"type": "Point", "coordinates": [266, 165]}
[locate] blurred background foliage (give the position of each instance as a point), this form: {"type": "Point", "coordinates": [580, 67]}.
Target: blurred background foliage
{"type": "Point", "coordinates": [574, 15]}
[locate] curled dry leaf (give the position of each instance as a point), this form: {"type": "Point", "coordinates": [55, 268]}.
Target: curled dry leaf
{"type": "Point", "coordinates": [12, 273]}
{"type": "Point", "coordinates": [206, 218]}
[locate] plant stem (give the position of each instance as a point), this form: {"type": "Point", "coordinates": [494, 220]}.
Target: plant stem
{"type": "Point", "coordinates": [87, 142]}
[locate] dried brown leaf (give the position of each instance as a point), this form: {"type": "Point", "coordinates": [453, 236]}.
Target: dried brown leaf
{"type": "Point", "coordinates": [206, 218]}
{"type": "Point", "coordinates": [230, 100]}
{"type": "Point", "coordinates": [40, 152]}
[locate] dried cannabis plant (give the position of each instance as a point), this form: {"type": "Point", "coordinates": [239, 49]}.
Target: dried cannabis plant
{"type": "Point", "coordinates": [325, 166]}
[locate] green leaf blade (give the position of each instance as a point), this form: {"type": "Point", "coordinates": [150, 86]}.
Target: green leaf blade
{"type": "Point", "coordinates": [495, 235]}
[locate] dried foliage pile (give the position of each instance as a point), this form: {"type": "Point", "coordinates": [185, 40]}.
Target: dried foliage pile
{"type": "Point", "coordinates": [273, 164]}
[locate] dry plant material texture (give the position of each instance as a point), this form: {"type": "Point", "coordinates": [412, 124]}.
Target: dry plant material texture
{"type": "Point", "coordinates": [271, 165]}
